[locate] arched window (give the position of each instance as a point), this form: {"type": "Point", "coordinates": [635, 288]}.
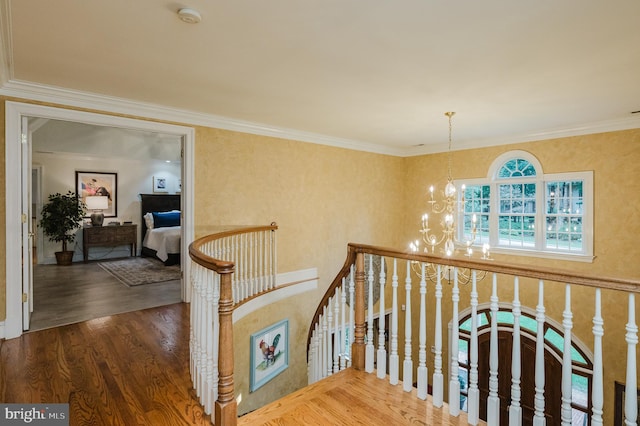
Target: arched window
{"type": "Point", "coordinates": [520, 208]}
{"type": "Point", "coordinates": [582, 366]}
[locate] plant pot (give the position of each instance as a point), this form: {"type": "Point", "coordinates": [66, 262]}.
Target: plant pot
{"type": "Point", "coordinates": [64, 258]}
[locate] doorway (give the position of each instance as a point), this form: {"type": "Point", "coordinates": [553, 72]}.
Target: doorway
{"type": "Point", "coordinates": [18, 282]}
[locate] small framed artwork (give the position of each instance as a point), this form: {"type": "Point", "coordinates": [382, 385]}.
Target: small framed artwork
{"type": "Point", "coordinates": [269, 353]}
{"type": "Point", "coordinates": [160, 184]}
{"type": "Point", "coordinates": [90, 184]}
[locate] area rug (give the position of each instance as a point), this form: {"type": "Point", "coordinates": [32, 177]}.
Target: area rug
{"type": "Point", "coordinates": [141, 270]}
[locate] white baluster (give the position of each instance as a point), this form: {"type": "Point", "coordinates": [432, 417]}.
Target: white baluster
{"type": "Point", "coordinates": [407, 365]}
{"type": "Point", "coordinates": [215, 302]}
{"type": "Point", "coordinates": [382, 352]}
{"type": "Point", "coordinates": [538, 403]}
{"type": "Point", "coordinates": [343, 309]}
{"type": "Point", "coordinates": [454, 383]}
{"type": "Point", "coordinates": [631, 337]}
{"type": "Point", "coordinates": [394, 359]}
{"type": "Point", "coordinates": [336, 332]}
{"type": "Point", "coordinates": [438, 378]}
{"type": "Point", "coordinates": [597, 390]}
{"type": "Point", "coordinates": [323, 345]}
{"type": "Point", "coordinates": [370, 349]}
{"type": "Point", "coordinates": [493, 401]}
{"type": "Point", "coordinates": [313, 355]}
{"type": "Point", "coordinates": [567, 324]}
{"type": "Point", "coordinates": [515, 410]}
{"type": "Point", "coordinates": [473, 394]}
{"type": "Point", "coordinates": [423, 372]}
{"type": "Point", "coordinates": [352, 305]}
{"type": "Point", "coordinates": [329, 339]}
{"type": "Point", "coordinates": [318, 364]}
{"type": "Point", "coordinates": [274, 258]}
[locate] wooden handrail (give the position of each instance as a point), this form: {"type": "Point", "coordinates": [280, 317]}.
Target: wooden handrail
{"type": "Point", "coordinates": [547, 274]}
{"type": "Point", "coordinates": [218, 265]}
{"type": "Point", "coordinates": [225, 407]}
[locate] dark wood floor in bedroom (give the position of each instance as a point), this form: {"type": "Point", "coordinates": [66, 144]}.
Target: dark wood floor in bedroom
{"type": "Point", "coordinates": [83, 291]}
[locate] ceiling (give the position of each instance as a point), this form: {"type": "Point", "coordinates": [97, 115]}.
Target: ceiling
{"type": "Point", "coordinates": [373, 74]}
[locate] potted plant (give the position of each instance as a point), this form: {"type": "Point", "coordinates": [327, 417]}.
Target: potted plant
{"type": "Point", "coordinates": [61, 215]}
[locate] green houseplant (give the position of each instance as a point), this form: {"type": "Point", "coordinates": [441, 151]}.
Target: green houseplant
{"type": "Point", "coordinates": [62, 214]}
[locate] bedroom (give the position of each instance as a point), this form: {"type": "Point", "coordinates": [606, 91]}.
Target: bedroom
{"type": "Point", "coordinates": [134, 163]}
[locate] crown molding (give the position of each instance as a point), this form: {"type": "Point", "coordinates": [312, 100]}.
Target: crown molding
{"type": "Point", "coordinates": [67, 97]}
{"type": "Point", "coordinates": [90, 101]}
{"type": "Point", "coordinates": [615, 125]}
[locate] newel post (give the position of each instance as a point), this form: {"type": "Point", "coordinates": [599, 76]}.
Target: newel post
{"type": "Point", "coordinates": [226, 411]}
{"type": "Point", "coordinates": [358, 347]}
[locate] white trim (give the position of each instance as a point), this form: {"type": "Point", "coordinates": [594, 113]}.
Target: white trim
{"type": "Point", "coordinates": [540, 180]}
{"type": "Point", "coordinates": [301, 282]}
{"type": "Point", "coordinates": [2, 330]}
{"type": "Point", "coordinates": [42, 93]}
{"type": "Point", "coordinates": [57, 95]}
{"type": "Point", "coordinates": [14, 112]}
{"type": "Point", "coordinates": [296, 276]}
{"type": "Point", "coordinates": [497, 164]}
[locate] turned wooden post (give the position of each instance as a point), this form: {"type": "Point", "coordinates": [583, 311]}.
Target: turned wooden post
{"type": "Point", "coordinates": [358, 347]}
{"type": "Point", "coordinates": [226, 411]}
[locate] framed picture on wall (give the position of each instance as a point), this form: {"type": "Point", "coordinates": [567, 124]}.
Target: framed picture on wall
{"type": "Point", "coordinates": [160, 184]}
{"type": "Point", "coordinates": [269, 353]}
{"type": "Point", "coordinates": [99, 184]}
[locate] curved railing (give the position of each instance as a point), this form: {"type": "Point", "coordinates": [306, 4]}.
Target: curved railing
{"type": "Point", "coordinates": [230, 266]}
{"type": "Point", "coordinates": [340, 337]}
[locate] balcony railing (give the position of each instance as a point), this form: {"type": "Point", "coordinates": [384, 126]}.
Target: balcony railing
{"type": "Point", "coordinates": [229, 267]}
{"type": "Point", "coordinates": [342, 332]}
{"type": "Point", "coordinates": [340, 336]}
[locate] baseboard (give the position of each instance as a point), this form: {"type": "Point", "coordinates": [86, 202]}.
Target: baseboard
{"type": "Point", "coordinates": [291, 283]}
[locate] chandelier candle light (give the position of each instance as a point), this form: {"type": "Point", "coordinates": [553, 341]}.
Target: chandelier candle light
{"type": "Point", "coordinates": [449, 208]}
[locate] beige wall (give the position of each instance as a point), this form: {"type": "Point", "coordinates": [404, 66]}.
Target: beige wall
{"type": "Point", "coordinates": [615, 160]}
{"type": "Point", "coordinates": [324, 197]}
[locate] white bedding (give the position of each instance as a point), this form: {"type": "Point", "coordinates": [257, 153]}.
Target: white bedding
{"type": "Point", "coordinates": [163, 241]}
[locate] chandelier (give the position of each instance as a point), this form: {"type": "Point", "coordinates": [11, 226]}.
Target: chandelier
{"type": "Point", "coordinates": [449, 208]}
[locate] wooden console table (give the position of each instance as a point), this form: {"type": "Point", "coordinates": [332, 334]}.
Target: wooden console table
{"type": "Point", "coordinates": [109, 235]}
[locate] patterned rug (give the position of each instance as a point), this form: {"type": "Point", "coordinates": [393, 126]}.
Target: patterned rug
{"type": "Point", "coordinates": [141, 270]}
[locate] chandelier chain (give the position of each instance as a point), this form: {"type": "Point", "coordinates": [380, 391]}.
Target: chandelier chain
{"type": "Point", "coordinates": [450, 115]}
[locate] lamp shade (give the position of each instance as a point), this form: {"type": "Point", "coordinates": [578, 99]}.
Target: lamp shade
{"type": "Point", "coordinates": [100, 202]}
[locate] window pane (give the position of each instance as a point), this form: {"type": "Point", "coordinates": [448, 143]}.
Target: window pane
{"type": "Point", "coordinates": [476, 201]}
{"type": "Point", "coordinates": [564, 208]}
{"type": "Point", "coordinates": [528, 323]}
{"type": "Point", "coordinates": [579, 417]}
{"type": "Point", "coordinates": [463, 377]}
{"type": "Point", "coordinates": [580, 390]}
{"type": "Point", "coordinates": [463, 351]}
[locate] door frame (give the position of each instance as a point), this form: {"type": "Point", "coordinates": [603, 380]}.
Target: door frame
{"type": "Point", "coordinates": [14, 111]}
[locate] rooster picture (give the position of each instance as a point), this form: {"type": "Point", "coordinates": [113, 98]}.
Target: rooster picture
{"type": "Point", "coordinates": [269, 351]}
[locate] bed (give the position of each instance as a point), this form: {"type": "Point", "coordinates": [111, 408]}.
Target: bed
{"type": "Point", "coordinates": [160, 227]}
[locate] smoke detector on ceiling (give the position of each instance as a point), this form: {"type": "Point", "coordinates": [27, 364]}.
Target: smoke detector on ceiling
{"type": "Point", "coordinates": [190, 16]}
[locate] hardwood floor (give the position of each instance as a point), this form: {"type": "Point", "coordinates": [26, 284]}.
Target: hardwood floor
{"type": "Point", "coordinates": [353, 397]}
{"type": "Point", "coordinates": [83, 291]}
{"type": "Point", "coordinates": [126, 369]}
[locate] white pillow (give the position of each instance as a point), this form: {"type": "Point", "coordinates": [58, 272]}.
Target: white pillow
{"type": "Point", "coordinates": [148, 220]}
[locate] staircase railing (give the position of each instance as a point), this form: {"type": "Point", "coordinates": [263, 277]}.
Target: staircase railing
{"type": "Point", "coordinates": [229, 266]}
{"type": "Point", "coordinates": [339, 335]}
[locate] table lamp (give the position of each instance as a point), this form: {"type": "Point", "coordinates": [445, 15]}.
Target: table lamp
{"type": "Point", "coordinates": [97, 204]}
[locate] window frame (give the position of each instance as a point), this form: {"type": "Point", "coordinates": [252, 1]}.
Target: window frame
{"type": "Point", "coordinates": [540, 180]}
